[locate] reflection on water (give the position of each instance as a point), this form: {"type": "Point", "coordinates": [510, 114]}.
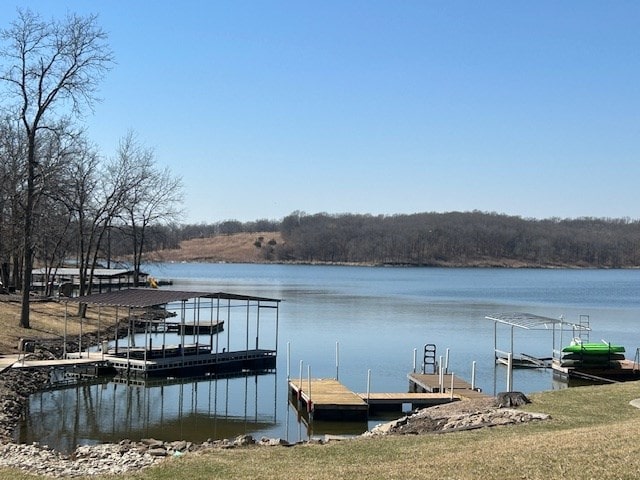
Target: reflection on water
{"type": "Point", "coordinates": [111, 410]}
{"type": "Point", "coordinates": [378, 316]}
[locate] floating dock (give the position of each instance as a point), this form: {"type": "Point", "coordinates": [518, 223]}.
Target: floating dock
{"type": "Point", "coordinates": [196, 360]}
{"type": "Point", "coordinates": [328, 399]}
{"type": "Point", "coordinates": [198, 363]}
{"type": "Point", "coordinates": [147, 312]}
{"type": "Point", "coordinates": [388, 402]}
{"type": "Point", "coordinates": [451, 385]}
{"type": "Point", "coordinates": [625, 370]}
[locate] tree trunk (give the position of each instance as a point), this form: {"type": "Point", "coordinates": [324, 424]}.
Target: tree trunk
{"type": "Point", "coordinates": [28, 234]}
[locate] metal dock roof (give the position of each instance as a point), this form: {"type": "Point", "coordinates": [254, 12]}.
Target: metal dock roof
{"type": "Point", "coordinates": [148, 297]}
{"type": "Point", "coordinates": [530, 321]}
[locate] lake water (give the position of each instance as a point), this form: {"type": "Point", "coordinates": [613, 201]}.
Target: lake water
{"type": "Point", "coordinates": [373, 317]}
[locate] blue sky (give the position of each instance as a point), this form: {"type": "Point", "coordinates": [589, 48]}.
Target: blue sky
{"type": "Point", "coordinates": [380, 107]}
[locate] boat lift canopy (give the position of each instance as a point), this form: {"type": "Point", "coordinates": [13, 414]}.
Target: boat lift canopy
{"type": "Point", "coordinates": [529, 321]}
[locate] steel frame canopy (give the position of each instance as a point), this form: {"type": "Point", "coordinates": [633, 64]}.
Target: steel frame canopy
{"type": "Point", "coordinates": [144, 298]}
{"type": "Point", "coordinates": [529, 321]}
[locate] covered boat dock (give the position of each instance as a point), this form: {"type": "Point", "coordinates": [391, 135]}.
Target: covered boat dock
{"type": "Point", "coordinates": [66, 281]}
{"type": "Point", "coordinates": [559, 328]}
{"type": "Point", "coordinates": [194, 353]}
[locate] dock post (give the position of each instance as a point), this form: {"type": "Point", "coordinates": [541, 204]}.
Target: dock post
{"type": "Point", "coordinates": [309, 388]}
{"type": "Point", "coordinates": [300, 383]}
{"type": "Point", "coordinates": [440, 376]}
{"type": "Point", "coordinates": [415, 359]}
{"type": "Point", "coordinates": [64, 342]}
{"type": "Point", "coordinates": [452, 379]}
{"type": "Point", "coordinates": [473, 375]}
{"type": "Point", "coordinates": [368, 387]}
{"type": "Point", "coordinates": [509, 372]}
{"type": "Point", "coordinates": [337, 360]}
{"type": "Point", "coordinates": [288, 361]}
{"type": "Point", "coordinates": [446, 362]}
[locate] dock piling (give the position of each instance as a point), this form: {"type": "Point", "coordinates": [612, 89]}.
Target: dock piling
{"type": "Point", "coordinates": [446, 361]}
{"type": "Point", "coordinates": [415, 359]}
{"type": "Point", "coordinates": [473, 375]}
{"type": "Point", "coordinates": [288, 361]}
{"type": "Point", "coordinates": [510, 372]}
{"type": "Point", "coordinates": [453, 377]}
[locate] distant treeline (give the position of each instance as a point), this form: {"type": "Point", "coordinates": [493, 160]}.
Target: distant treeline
{"type": "Point", "coordinates": [455, 239]}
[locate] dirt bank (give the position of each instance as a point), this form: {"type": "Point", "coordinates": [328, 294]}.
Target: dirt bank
{"type": "Point", "coordinates": [236, 248]}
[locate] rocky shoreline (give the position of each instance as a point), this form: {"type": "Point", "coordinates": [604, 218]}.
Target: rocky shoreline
{"type": "Point", "coordinates": [126, 456]}
{"type": "Point", "coordinates": [108, 458]}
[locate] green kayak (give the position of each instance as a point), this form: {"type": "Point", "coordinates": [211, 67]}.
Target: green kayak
{"type": "Point", "coordinates": [593, 348]}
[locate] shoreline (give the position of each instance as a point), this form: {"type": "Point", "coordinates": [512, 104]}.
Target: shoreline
{"type": "Point", "coordinates": [126, 456]}
{"type": "Point", "coordinates": [516, 265]}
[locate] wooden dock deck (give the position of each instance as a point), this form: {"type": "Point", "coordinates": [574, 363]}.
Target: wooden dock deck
{"type": "Point", "coordinates": [328, 399]}
{"type": "Point", "coordinates": [396, 401]}
{"type": "Point", "coordinates": [66, 362]}
{"type": "Point", "coordinates": [430, 383]}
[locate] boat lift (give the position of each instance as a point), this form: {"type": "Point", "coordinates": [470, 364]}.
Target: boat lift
{"type": "Point", "coordinates": [528, 321]}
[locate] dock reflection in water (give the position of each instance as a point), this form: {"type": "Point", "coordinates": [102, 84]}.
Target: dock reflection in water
{"type": "Point", "coordinates": [173, 409]}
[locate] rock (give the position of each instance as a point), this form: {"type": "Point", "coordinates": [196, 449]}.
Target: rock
{"type": "Point", "coordinates": [157, 452]}
{"type": "Point", "coordinates": [152, 442]}
{"type": "Point", "coordinates": [512, 399]}
{"type": "Point", "coordinates": [462, 415]}
{"type": "Point", "coordinates": [272, 442]}
{"type": "Point", "coordinates": [244, 440]}
{"type": "Point", "coordinates": [332, 438]}
{"type": "Point", "coordinates": [179, 446]}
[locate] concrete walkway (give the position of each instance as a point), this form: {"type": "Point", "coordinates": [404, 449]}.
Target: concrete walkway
{"type": "Point", "coordinates": [635, 403]}
{"type": "Point", "coordinates": [7, 361]}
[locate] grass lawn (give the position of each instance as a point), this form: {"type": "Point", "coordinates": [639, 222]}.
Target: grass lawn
{"type": "Point", "coordinates": [593, 433]}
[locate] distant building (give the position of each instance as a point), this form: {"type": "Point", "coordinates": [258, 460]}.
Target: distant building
{"type": "Point", "coordinates": [66, 281]}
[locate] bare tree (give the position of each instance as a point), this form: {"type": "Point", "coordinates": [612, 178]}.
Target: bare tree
{"type": "Point", "coordinates": [153, 199]}
{"type": "Point", "coordinates": [55, 214]}
{"type": "Point", "coordinates": [96, 195]}
{"type": "Point", "coordinates": [48, 69]}
{"type": "Point", "coordinates": [12, 154]}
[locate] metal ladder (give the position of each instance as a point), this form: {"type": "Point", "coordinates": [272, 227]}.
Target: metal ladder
{"type": "Point", "coordinates": [585, 328]}
{"type": "Point", "coordinates": [429, 358]}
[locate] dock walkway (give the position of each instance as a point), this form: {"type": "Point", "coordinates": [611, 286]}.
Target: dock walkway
{"type": "Point", "coordinates": [197, 362]}
{"type": "Point", "coordinates": [426, 382]}
{"type": "Point", "coordinates": [328, 399]}
{"type": "Point", "coordinates": [66, 362]}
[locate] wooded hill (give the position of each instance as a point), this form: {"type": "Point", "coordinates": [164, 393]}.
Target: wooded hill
{"type": "Point", "coordinates": [451, 239]}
